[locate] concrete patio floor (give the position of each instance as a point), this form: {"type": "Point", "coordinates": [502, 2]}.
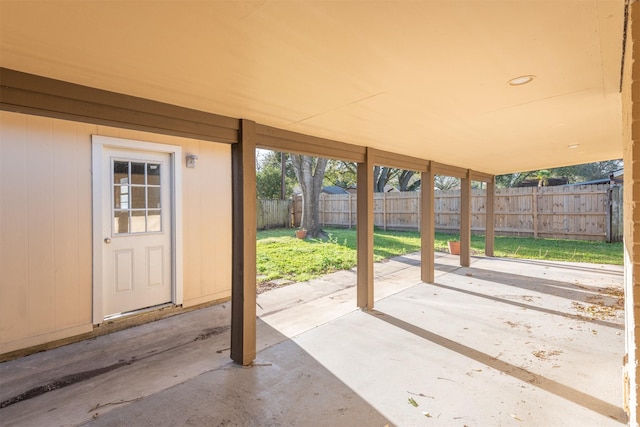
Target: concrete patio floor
{"type": "Point", "coordinates": [501, 343]}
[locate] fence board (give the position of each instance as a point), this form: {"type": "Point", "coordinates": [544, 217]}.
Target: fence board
{"type": "Point", "coordinates": [570, 211]}
{"type": "Point", "coordinates": [274, 214]}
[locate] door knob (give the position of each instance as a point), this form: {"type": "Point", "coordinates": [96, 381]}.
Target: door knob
{"type": "Point", "coordinates": [107, 240]}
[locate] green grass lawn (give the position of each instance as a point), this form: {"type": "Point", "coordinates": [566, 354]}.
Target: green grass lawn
{"type": "Point", "coordinates": [281, 256]}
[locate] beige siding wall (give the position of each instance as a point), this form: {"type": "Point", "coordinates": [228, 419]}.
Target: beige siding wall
{"type": "Point", "coordinates": [207, 223]}
{"type": "Point", "coordinates": [45, 225]}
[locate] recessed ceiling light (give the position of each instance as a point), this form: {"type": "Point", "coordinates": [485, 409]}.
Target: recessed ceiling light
{"type": "Point", "coordinates": [573, 146]}
{"type": "Point", "coordinates": [521, 80]}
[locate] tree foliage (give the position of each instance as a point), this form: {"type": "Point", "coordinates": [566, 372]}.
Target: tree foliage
{"type": "Point", "coordinates": [403, 180]}
{"type": "Point", "coordinates": [576, 173]}
{"type": "Point", "coordinates": [269, 175]}
{"type": "Point", "coordinates": [345, 175]}
{"type": "Point", "coordinates": [444, 182]}
{"type": "Point", "coordinates": [588, 171]}
{"type": "Point", "coordinates": [342, 174]}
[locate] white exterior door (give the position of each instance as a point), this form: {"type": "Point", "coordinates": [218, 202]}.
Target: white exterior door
{"type": "Point", "coordinates": [136, 229]}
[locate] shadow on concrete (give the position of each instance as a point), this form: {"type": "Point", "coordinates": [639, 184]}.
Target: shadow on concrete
{"type": "Point", "coordinates": [552, 287]}
{"type": "Point", "coordinates": [284, 386]}
{"type": "Point", "coordinates": [531, 307]}
{"type": "Point", "coordinates": [561, 390]}
{"type": "Point", "coordinates": [406, 260]}
{"type": "Point", "coordinates": [565, 266]}
{"type": "Point", "coordinates": [175, 373]}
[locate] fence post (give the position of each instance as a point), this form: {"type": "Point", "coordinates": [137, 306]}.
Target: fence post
{"type": "Point", "coordinates": [616, 221]}
{"type": "Point", "coordinates": [384, 211]}
{"type": "Point", "coordinates": [534, 209]}
{"type": "Point", "coordinates": [349, 211]}
{"type": "Point", "coordinates": [419, 203]}
{"type": "Point", "coordinates": [607, 214]}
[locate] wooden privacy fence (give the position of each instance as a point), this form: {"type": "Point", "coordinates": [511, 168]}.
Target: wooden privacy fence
{"type": "Point", "coordinates": [274, 213]}
{"type": "Point", "coordinates": [583, 212]}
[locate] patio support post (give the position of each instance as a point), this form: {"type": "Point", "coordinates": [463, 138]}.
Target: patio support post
{"type": "Point", "coordinates": [427, 225]}
{"type": "Point", "coordinates": [243, 281]}
{"type": "Point", "coordinates": [490, 217]}
{"type": "Point", "coordinates": [631, 157]}
{"type": "Point", "coordinates": [465, 221]}
{"type": "Point", "coordinates": [364, 230]}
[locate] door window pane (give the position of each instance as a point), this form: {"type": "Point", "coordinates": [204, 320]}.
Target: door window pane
{"type": "Point", "coordinates": [136, 197]}
{"type": "Point", "coordinates": [153, 194]}
{"type": "Point", "coordinates": [137, 173]}
{"type": "Point", "coordinates": [121, 197]}
{"type": "Point", "coordinates": [153, 221]}
{"type": "Point", "coordinates": [121, 222]}
{"type": "Point", "coordinates": [120, 172]}
{"type": "Point", "coordinates": [138, 222]}
{"type": "Point", "coordinates": [153, 174]}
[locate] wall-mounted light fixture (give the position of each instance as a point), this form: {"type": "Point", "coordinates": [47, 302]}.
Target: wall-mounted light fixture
{"type": "Point", "coordinates": [192, 159]}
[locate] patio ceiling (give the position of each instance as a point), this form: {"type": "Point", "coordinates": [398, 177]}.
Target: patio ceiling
{"type": "Point", "coordinates": [426, 79]}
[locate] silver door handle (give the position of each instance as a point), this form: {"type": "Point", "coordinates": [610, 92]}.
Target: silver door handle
{"type": "Point", "coordinates": [107, 240]}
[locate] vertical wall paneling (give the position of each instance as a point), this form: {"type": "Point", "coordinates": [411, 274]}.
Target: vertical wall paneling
{"type": "Point", "coordinates": [13, 228]}
{"type": "Point", "coordinates": [66, 249]}
{"type": "Point", "coordinates": [46, 259]}
{"type": "Point", "coordinates": [40, 225]}
{"type": "Point", "coordinates": [192, 194]}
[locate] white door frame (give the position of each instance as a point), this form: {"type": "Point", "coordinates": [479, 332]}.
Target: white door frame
{"type": "Point", "coordinates": [98, 144]}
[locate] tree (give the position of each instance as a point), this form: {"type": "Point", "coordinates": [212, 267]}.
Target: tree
{"type": "Point", "coordinates": [588, 171]}
{"type": "Point", "coordinates": [513, 179]}
{"type": "Point", "coordinates": [444, 182]}
{"type": "Point", "coordinates": [344, 174]}
{"type": "Point", "coordinates": [268, 183]}
{"type": "Point", "coordinates": [341, 173]}
{"type": "Point", "coordinates": [269, 175]}
{"type": "Point", "coordinates": [381, 176]}
{"type": "Point", "coordinates": [575, 173]}
{"type": "Point", "coordinates": [406, 181]}
{"type": "Point", "coordinates": [310, 174]}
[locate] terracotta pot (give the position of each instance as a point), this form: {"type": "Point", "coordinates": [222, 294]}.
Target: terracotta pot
{"type": "Point", "coordinates": [301, 234]}
{"type": "Point", "coordinates": [454, 247]}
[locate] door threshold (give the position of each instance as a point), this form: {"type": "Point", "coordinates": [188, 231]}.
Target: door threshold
{"type": "Point", "coordinates": [115, 316]}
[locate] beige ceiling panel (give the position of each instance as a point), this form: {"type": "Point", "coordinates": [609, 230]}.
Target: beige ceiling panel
{"type": "Point", "coordinates": [425, 79]}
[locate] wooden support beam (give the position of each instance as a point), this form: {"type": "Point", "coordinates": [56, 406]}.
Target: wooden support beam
{"type": "Point", "coordinates": [364, 230]}
{"type": "Point", "coordinates": [398, 161]}
{"type": "Point", "coordinates": [275, 139]}
{"type": "Point", "coordinates": [41, 96]}
{"type": "Point", "coordinates": [243, 282]}
{"type": "Point", "coordinates": [490, 221]}
{"type": "Point", "coordinates": [480, 176]}
{"type": "Point", "coordinates": [448, 170]}
{"type": "Point", "coordinates": [427, 228]}
{"type": "Point", "coordinates": [465, 221]}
